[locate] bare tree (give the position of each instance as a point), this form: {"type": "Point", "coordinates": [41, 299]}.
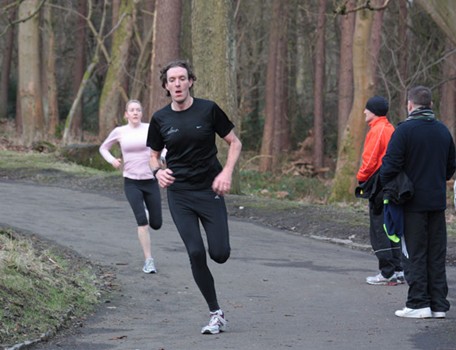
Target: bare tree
{"type": "Point", "coordinates": [166, 40]}
{"type": "Point", "coordinates": [6, 64]}
{"type": "Point", "coordinates": [350, 151]}
{"type": "Point", "coordinates": [113, 96]}
{"type": "Point", "coordinates": [143, 41]}
{"type": "Point", "coordinates": [448, 90]}
{"type": "Point", "coordinates": [79, 67]}
{"type": "Point", "coordinates": [275, 86]}
{"type": "Point", "coordinates": [345, 84]}
{"type": "Point", "coordinates": [29, 87]}
{"type": "Point", "coordinates": [90, 68]}
{"type": "Point", "coordinates": [443, 15]}
{"type": "Point", "coordinates": [48, 73]}
{"type": "Point", "coordinates": [214, 60]}
{"type": "Point", "coordinates": [319, 86]}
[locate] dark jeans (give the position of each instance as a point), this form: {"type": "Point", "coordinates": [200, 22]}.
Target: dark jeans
{"type": "Point", "coordinates": [388, 253]}
{"type": "Point", "coordinates": [426, 242]}
{"type": "Point", "coordinates": [142, 194]}
{"type": "Point", "coordinates": [188, 209]}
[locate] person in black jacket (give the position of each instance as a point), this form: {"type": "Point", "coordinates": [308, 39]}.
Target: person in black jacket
{"type": "Point", "coordinates": [423, 148]}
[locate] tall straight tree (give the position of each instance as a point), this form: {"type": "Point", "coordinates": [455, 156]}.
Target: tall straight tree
{"type": "Point", "coordinates": [112, 100]}
{"type": "Point", "coordinates": [319, 86]}
{"type": "Point", "coordinates": [143, 40]}
{"type": "Point", "coordinates": [276, 80]}
{"type": "Point", "coordinates": [351, 146]}
{"type": "Point", "coordinates": [165, 47]}
{"type": "Point", "coordinates": [6, 62]}
{"type": "Point", "coordinates": [48, 73]}
{"type": "Point", "coordinates": [448, 90]}
{"type": "Point", "coordinates": [79, 67]}
{"type": "Point", "coordinates": [29, 87]}
{"type": "Point", "coordinates": [345, 81]}
{"type": "Point", "coordinates": [214, 61]}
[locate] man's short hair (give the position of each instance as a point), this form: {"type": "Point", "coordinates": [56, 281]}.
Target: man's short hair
{"type": "Point", "coordinates": [420, 96]}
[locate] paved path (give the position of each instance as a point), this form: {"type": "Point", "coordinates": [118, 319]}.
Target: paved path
{"type": "Point", "coordinates": [279, 291]}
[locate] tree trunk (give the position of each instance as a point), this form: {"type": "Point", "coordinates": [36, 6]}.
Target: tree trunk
{"type": "Point", "coordinates": [215, 62]}
{"type": "Point", "coordinates": [112, 101]}
{"type": "Point", "coordinates": [99, 47]}
{"type": "Point", "coordinates": [443, 14]}
{"type": "Point", "coordinates": [166, 39]}
{"type": "Point", "coordinates": [319, 86]}
{"type": "Point", "coordinates": [448, 91]}
{"type": "Point", "coordinates": [49, 83]}
{"type": "Point", "coordinates": [376, 42]}
{"type": "Point", "coordinates": [79, 68]}
{"type": "Point", "coordinates": [275, 88]}
{"type": "Point", "coordinates": [403, 60]}
{"type": "Point", "coordinates": [29, 97]}
{"type": "Point", "coordinates": [141, 83]}
{"type": "Point", "coordinates": [345, 83]}
{"type": "Point", "coordinates": [350, 151]}
{"type": "Point", "coordinates": [6, 67]}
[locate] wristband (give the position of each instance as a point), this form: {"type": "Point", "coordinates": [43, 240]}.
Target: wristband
{"type": "Point", "coordinates": [155, 172]}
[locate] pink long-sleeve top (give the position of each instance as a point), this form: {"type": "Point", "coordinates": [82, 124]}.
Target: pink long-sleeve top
{"type": "Point", "coordinates": [135, 153]}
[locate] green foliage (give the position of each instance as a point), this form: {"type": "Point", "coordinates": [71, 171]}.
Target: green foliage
{"type": "Point", "coordinates": [288, 187]}
{"type": "Point", "coordinates": [40, 289]}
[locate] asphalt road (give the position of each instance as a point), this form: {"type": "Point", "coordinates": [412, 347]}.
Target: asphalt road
{"type": "Point", "coordinates": [279, 290]}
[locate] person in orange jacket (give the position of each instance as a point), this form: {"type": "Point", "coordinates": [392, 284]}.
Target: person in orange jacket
{"type": "Point", "coordinates": [388, 253]}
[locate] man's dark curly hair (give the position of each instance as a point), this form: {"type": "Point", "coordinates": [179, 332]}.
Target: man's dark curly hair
{"type": "Point", "coordinates": [177, 63]}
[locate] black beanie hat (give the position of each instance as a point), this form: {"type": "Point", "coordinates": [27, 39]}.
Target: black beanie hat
{"type": "Point", "coordinates": [377, 105]}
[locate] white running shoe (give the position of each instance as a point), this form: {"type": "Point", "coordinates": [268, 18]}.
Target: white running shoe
{"type": "Point", "coordinates": [400, 277]}
{"type": "Point", "coordinates": [149, 266]}
{"type": "Point", "coordinates": [438, 314]}
{"type": "Point", "coordinates": [379, 280]}
{"type": "Point", "coordinates": [406, 312]}
{"type": "Point", "coordinates": [217, 323]}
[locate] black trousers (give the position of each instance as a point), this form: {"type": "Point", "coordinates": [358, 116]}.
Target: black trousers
{"type": "Point", "coordinates": [142, 194]}
{"type": "Point", "coordinates": [426, 242]}
{"type": "Point", "coordinates": [188, 209]}
{"type": "Point", "coordinates": [387, 252]}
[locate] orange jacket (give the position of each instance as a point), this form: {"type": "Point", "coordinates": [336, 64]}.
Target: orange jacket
{"type": "Point", "coordinates": [375, 146]}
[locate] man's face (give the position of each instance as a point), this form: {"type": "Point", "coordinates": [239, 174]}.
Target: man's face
{"type": "Point", "coordinates": [178, 84]}
{"type": "Point", "coordinates": [369, 115]}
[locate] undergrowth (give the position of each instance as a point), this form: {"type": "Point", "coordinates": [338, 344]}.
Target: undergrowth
{"type": "Point", "coordinates": [40, 289]}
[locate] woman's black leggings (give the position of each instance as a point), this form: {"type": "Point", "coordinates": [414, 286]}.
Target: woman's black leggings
{"type": "Point", "coordinates": [188, 209]}
{"type": "Point", "coordinates": [142, 194]}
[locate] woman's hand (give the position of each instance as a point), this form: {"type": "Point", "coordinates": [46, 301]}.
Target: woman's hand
{"type": "Point", "coordinates": [117, 163]}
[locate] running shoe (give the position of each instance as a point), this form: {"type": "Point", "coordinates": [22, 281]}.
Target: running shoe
{"type": "Point", "coordinates": [217, 323]}
{"type": "Point", "coordinates": [400, 277]}
{"type": "Point", "coordinates": [379, 280]}
{"type": "Point", "coordinates": [438, 314]}
{"type": "Point", "coordinates": [149, 266]}
{"type": "Point", "coordinates": [406, 312]}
